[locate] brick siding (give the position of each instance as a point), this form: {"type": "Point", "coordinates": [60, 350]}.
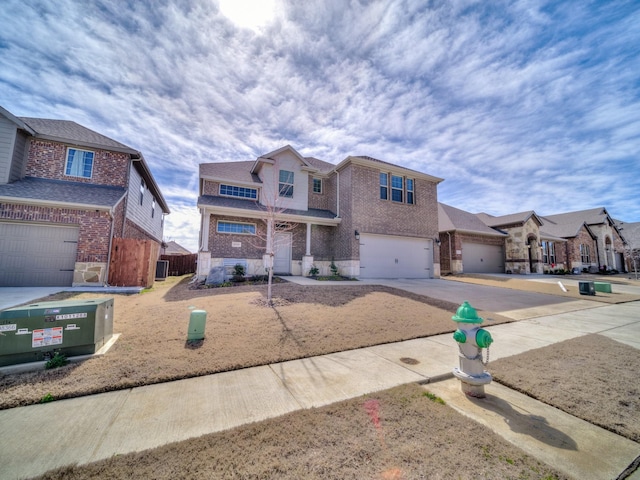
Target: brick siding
{"type": "Point", "coordinates": [48, 160]}
{"type": "Point", "coordinates": [94, 226]}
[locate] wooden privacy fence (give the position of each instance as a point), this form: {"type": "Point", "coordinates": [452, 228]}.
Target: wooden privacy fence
{"type": "Point", "coordinates": [181, 264]}
{"type": "Point", "coordinates": [133, 262]}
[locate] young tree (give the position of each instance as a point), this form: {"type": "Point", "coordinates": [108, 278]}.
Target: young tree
{"type": "Point", "coordinates": [274, 217]}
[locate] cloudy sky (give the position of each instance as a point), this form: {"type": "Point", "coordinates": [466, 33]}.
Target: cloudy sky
{"type": "Point", "coordinates": [518, 105]}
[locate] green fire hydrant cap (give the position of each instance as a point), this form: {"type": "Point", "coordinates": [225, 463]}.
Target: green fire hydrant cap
{"type": "Point", "coordinates": [466, 314]}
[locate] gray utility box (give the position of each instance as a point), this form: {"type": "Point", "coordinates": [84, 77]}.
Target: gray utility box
{"type": "Point", "coordinates": [34, 332]}
{"type": "Point", "coordinates": [587, 288]}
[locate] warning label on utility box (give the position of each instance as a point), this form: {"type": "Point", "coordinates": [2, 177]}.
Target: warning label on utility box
{"type": "Point", "coordinates": [70, 316]}
{"type": "Point", "coordinates": [46, 336]}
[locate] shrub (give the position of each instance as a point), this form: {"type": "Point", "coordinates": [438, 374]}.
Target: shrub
{"type": "Point", "coordinates": [58, 360]}
{"type": "Point", "coordinates": [334, 268]}
{"type": "Point", "coordinates": [314, 271]}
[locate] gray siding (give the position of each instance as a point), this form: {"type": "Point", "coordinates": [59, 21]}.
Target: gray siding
{"type": "Point", "coordinates": [7, 141]}
{"type": "Point", "coordinates": [141, 214]}
{"type": "Point", "coordinates": [19, 157]}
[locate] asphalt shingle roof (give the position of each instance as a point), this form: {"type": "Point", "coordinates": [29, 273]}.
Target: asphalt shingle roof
{"type": "Point", "coordinates": [230, 171]}
{"type": "Point", "coordinates": [213, 201]}
{"type": "Point", "coordinates": [60, 191]}
{"type": "Point", "coordinates": [520, 217]}
{"type": "Point", "coordinates": [71, 132]}
{"type": "Point", "coordinates": [451, 218]}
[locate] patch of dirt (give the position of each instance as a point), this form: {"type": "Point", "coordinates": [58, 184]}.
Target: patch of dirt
{"type": "Point", "coordinates": [240, 332]}
{"type": "Point", "coordinates": [590, 377]}
{"type": "Point", "coordinates": [516, 283]}
{"type": "Point", "coordinates": [396, 434]}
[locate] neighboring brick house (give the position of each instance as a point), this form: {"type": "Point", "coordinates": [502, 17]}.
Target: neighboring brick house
{"type": "Point", "coordinates": [583, 240]}
{"type": "Point", "coordinates": [522, 248]}
{"type": "Point", "coordinates": [65, 192]}
{"type": "Point", "coordinates": [371, 218]}
{"type": "Point", "coordinates": [464, 233]}
{"type": "Point", "coordinates": [593, 239]}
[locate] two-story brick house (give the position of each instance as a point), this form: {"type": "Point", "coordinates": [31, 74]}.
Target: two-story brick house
{"type": "Point", "coordinates": [371, 218]}
{"type": "Point", "coordinates": [65, 193]}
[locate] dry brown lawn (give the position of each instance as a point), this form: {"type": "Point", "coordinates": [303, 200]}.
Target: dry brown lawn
{"type": "Point", "coordinates": [240, 332]}
{"type": "Point", "coordinates": [396, 434]}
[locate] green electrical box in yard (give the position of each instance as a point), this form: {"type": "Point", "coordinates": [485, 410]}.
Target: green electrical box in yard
{"type": "Point", "coordinates": [35, 332]}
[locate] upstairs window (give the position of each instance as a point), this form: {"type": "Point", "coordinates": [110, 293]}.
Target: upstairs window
{"type": "Point", "coordinates": [384, 186]}
{"type": "Point", "coordinates": [396, 188]}
{"type": "Point", "coordinates": [142, 186]}
{"type": "Point", "coordinates": [317, 185]}
{"type": "Point", "coordinates": [402, 189]}
{"type": "Point", "coordinates": [79, 163]}
{"type": "Point", "coordinates": [285, 186]}
{"type": "Point", "coordinates": [153, 208]}
{"type": "Point", "coordinates": [240, 192]}
{"type": "Point", "coordinates": [410, 195]}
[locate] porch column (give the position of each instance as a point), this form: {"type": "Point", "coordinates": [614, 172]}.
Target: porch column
{"type": "Point", "coordinates": [307, 259]}
{"type": "Point", "coordinates": [204, 231]}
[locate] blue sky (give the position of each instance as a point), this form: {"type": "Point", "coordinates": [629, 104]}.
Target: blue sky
{"type": "Point", "coordinates": [518, 105]}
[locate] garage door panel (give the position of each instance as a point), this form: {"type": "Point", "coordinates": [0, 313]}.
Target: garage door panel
{"type": "Point", "coordinates": [385, 256]}
{"type": "Point", "coordinates": [37, 255]}
{"type": "Point", "coordinates": [480, 258]}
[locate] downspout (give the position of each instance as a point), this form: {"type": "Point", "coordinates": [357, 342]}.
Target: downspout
{"type": "Point", "coordinates": [337, 194]}
{"type": "Point", "coordinates": [113, 224]}
{"type": "Point", "coordinates": [450, 256]}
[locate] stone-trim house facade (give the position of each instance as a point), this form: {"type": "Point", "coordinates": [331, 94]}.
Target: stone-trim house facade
{"type": "Point", "coordinates": [586, 240]}
{"type": "Point", "coordinates": [368, 217]}
{"type": "Point", "coordinates": [65, 192]}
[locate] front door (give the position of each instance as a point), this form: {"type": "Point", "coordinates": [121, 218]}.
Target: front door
{"type": "Point", "coordinates": [282, 257]}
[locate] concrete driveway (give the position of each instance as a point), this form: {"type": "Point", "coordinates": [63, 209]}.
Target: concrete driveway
{"type": "Point", "coordinates": [12, 296]}
{"type": "Point", "coordinates": [510, 303]}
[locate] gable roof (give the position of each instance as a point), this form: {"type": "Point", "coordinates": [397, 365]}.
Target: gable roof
{"type": "Point", "coordinates": [451, 218]}
{"type": "Point", "coordinates": [44, 191]}
{"type": "Point", "coordinates": [513, 218]}
{"type": "Point", "coordinates": [374, 162]}
{"type": "Point", "coordinates": [72, 133]}
{"type": "Point", "coordinates": [268, 158]}
{"type": "Point", "coordinates": [239, 172]}
{"type": "Point", "coordinates": [174, 248]}
{"type": "Point", "coordinates": [564, 226]}
{"type": "Point", "coordinates": [66, 131]}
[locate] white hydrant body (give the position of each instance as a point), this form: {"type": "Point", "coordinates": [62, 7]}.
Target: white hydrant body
{"type": "Point", "coordinates": [471, 340]}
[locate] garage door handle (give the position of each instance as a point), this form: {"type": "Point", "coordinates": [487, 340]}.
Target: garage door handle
{"type": "Point", "coordinates": [66, 270]}
{"type": "Point", "coordinates": [69, 241]}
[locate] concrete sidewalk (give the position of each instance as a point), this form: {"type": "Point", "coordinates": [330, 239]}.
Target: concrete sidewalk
{"type": "Point", "coordinates": [41, 437]}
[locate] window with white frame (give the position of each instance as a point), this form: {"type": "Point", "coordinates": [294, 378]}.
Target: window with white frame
{"type": "Point", "coordinates": [153, 208]}
{"type": "Point", "coordinates": [236, 227]}
{"type": "Point", "coordinates": [240, 192]}
{"type": "Point", "coordinates": [384, 186]}
{"type": "Point", "coordinates": [142, 186]}
{"type": "Point", "coordinates": [285, 186]}
{"type": "Point", "coordinates": [410, 191]}
{"type": "Point", "coordinates": [397, 188]}
{"type": "Point", "coordinates": [79, 163]}
{"type": "Point", "coordinates": [548, 252]}
{"type": "Point", "coordinates": [317, 185]}
{"type": "Point", "coordinates": [402, 188]}
{"type": "Point", "coordinates": [585, 256]}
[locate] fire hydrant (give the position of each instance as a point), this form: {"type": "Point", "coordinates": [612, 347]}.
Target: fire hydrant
{"type": "Point", "coordinates": [471, 340]}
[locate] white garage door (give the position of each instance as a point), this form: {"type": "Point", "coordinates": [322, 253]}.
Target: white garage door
{"type": "Point", "coordinates": [479, 258]}
{"type": "Point", "coordinates": [37, 255]}
{"type": "Point", "coordinates": [384, 256]}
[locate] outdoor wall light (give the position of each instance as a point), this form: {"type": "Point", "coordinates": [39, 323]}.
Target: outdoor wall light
{"type": "Point", "coordinates": [357, 233]}
{"type": "Point", "coordinates": [437, 240]}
